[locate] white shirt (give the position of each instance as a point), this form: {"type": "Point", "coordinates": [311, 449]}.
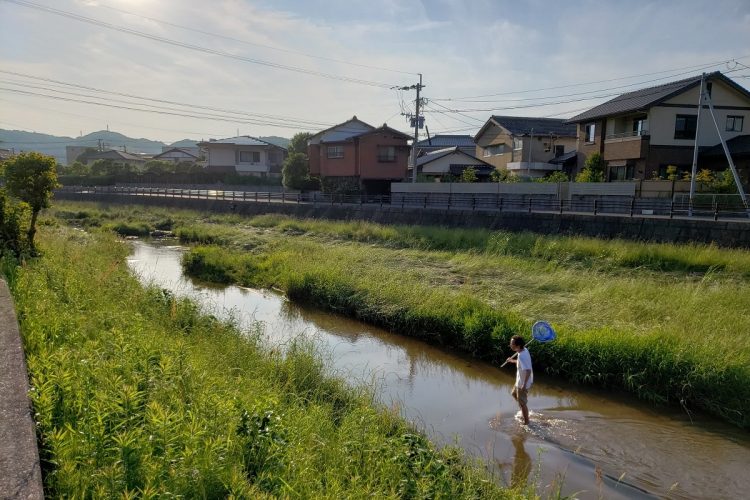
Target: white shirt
{"type": "Point", "coordinates": [524, 363]}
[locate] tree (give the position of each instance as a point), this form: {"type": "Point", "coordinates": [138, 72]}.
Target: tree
{"type": "Point", "coordinates": [705, 176]}
{"type": "Point", "coordinates": [556, 176]}
{"type": "Point", "coordinates": [31, 177]}
{"type": "Point", "coordinates": [159, 167]}
{"type": "Point", "coordinates": [469, 175]}
{"type": "Point", "coordinates": [78, 168]}
{"type": "Point", "coordinates": [298, 144]}
{"type": "Point", "coordinates": [593, 169]}
{"type": "Point", "coordinates": [295, 171]}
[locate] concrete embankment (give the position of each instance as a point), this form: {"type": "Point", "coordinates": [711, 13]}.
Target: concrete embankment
{"type": "Point", "coordinates": [657, 229]}
{"type": "Point", "coordinates": [20, 474]}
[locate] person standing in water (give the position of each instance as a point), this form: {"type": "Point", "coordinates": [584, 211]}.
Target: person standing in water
{"type": "Point", "coordinates": [524, 375]}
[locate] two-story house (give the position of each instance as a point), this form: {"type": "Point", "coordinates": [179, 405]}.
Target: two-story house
{"type": "Point", "coordinates": [244, 155]}
{"type": "Point", "coordinates": [354, 150]}
{"type": "Point", "coordinates": [641, 133]}
{"type": "Point", "coordinates": [525, 146]}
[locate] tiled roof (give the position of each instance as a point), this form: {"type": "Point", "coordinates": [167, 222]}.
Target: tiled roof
{"type": "Point", "coordinates": [439, 153]}
{"type": "Point", "coordinates": [645, 98]}
{"type": "Point", "coordinates": [560, 160]}
{"type": "Point", "coordinates": [739, 145]}
{"type": "Point", "coordinates": [447, 141]}
{"type": "Point", "coordinates": [242, 140]}
{"type": "Point", "coordinates": [518, 125]}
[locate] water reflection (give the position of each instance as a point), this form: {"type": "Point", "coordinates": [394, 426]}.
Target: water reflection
{"type": "Point", "coordinates": [573, 432]}
{"type": "Point", "coordinates": [521, 461]}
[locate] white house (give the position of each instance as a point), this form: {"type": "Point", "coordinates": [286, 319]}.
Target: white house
{"type": "Point", "coordinates": [244, 155]}
{"type": "Point", "coordinates": [177, 155]}
{"type": "Point", "coordinates": [451, 162]}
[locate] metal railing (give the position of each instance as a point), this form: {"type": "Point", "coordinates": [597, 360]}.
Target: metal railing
{"type": "Point", "coordinates": [625, 206]}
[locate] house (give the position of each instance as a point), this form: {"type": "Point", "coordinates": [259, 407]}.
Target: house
{"type": "Point", "coordinates": [244, 155]}
{"type": "Point", "coordinates": [525, 145]}
{"type": "Point", "coordinates": [358, 154]}
{"type": "Point", "coordinates": [641, 133]}
{"type": "Point", "coordinates": [447, 163]}
{"type": "Point", "coordinates": [441, 141]}
{"type": "Point", "coordinates": [177, 155]}
{"type": "Point", "coordinates": [116, 156]}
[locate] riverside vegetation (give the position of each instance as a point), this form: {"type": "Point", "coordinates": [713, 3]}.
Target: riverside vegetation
{"type": "Point", "coordinates": [136, 393]}
{"type": "Point", "coordinates": [665, 322]}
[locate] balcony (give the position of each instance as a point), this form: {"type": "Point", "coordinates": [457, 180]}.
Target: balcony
{"type": "Point", "coordinates": [626, 146]}
{"type": "Point", "coordinates": [625, 136]}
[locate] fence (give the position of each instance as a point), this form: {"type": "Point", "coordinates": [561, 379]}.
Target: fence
{"type": "Point", "coordinates": [705, 207]}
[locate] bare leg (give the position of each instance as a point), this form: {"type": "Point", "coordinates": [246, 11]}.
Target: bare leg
{"type": "Point", "coordinates": [525, 412]}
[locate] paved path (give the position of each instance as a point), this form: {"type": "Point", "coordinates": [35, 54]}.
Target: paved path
{"type": "Point", "coordinates": [20, 475]}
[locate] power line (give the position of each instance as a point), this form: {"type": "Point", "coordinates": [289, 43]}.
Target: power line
{"type": "Point", "coordinates": [200, 114]}
{"type": "Point", "coordinates": [692, 71]}
{"type": "Point", "coordinates": [694, 68]}
{"type": "Point", "coordinates": [117, 122]}
{"type": "Point", "coordinates": [538, 105]}
{"type": "Point", "coordinates": [130, 108]}
{"type": "Point", "coordinates": [165, 101]}
{"type": "Point", "coordinates": [245, 42]}
{"type": "Point", "coordinates": [197, 48]}
{"type": "Point", "coordinates": [163, 112]}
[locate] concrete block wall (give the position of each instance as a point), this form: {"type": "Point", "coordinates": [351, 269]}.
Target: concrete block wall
{"type": "Point", "coordinates": [723, 233]}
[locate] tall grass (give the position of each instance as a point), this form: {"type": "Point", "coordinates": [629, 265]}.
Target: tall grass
{"type": "Point", "coordinates": [662, 359]}
{"type": "Point", "coordinates": [136, 393]}
{"type": "Point", "coordinates": [581, 251]}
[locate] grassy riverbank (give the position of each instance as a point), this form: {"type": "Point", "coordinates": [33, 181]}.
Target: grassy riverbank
{"type": "Point", "coordinates": [136, 392]}
{"type": "Point", "coordinates": [666, 322]}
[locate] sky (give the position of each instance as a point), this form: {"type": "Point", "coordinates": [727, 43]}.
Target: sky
{"type": "Point", "coordinates": [341, 59]}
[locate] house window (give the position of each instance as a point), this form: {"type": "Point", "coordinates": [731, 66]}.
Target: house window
{"type": "Point", "coordinates": [497, 149]}
{"type": "Point", "coordinates": [735, 123]}
{"type": "Point", "coordinates": [559, 151]}
{"type": "Point", "coordinates": [684, 126]}
{"type": "Point", "coordinates": [518, 144]}
{"type": "Point", "coordinates": [639, 126]}
{"type": "Point", "coordinates": [249, 156]}
{"type": "Point", "coordinates": [591, 132]}
{"type": "Point", "coordinates": [387, 153]}
{"type": "Point", "coordinates": [335, 151]}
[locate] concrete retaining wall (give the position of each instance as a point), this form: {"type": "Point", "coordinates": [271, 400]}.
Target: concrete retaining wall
{"type": "Point", "coordinates": [724, 233]}
{"type": "Point", "coordinates": [20, 474]}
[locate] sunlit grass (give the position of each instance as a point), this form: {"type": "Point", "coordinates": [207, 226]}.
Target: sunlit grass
{"type": "Point", "coordinates": [137, 393]}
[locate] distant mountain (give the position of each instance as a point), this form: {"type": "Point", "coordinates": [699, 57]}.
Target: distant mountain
{"type": "Point", "coordinates": [54, 145]}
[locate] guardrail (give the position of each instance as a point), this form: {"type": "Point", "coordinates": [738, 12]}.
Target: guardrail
{"type": "Point", "coordinates": [627, 206]}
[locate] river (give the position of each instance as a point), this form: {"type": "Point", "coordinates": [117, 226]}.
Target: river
{"type": "Point", "coordinates": [599, 444]}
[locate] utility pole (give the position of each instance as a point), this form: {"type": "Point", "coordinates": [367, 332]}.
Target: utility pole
{"type": "Point", "coordinates": [695, 148]}
{"type": "Point", "coordinates": [417, 120]}
{"type": "Point", "coordinates": [531, 145]}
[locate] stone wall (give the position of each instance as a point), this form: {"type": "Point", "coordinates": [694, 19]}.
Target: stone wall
{"type": "Point", "coordinates": [20, 474]}
{"type": "Point", "coordinates": [724, 233]}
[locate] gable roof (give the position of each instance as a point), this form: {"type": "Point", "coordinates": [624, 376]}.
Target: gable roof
{"type": "Point", "coordinates": [342, 128]}
{"type": "Point", "coordinates": [241, 140]}
{"type": "Point", "coordinates": [445, 140]}
{"type": "Point", "coordinates": [172, 150]}
{"type": "Point", "coordinates": [520, 125]}
{"type": "Point", "coordinates": [440, 153]}
{"type": "Point", "coordinates": [114, 154]}
{"type": "Point", "coordinates": [640, 100]}
{"type": "Point", "coordinates": [385, 128]}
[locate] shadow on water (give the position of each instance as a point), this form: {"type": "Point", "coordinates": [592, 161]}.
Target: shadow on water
{"type": "Point", "coordinates": [602, 445]}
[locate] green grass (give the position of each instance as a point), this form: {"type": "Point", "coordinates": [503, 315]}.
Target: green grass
{"type": "Point", "coordinates": [137, 393]}
{"type": "Point", "coordinates": [665, 322]}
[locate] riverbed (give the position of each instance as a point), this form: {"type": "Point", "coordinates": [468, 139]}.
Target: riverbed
{"type": "Point", "coordinates": [597, 444]}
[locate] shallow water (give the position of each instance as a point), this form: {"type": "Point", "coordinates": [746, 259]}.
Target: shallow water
{"type": "Point", "coordinates": [604, 445]}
